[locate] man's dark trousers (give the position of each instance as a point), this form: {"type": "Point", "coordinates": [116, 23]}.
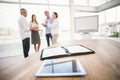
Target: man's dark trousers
{"type": "Point", "coordinates": [26, 46]}
{"type": "Point", "coordinates": [48, 36]}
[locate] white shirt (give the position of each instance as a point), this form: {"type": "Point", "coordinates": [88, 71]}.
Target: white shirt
{"type": "Point", "coordinates": [23, 27]}
{"type": "Point", "coordinates": [54, 26]}
{"type": "Point", "coordinates": [33, 24]}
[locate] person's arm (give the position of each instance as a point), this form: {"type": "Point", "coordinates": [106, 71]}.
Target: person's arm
{"type": "Point", "coordinates": [44, 25]}
{"type": "Point", "coordinates": [50, 20]}
{"type": "Point", "coordinates": [33, 27]}
{"type": "Point", "coordinates": [53, 25]}
{"type": "Point", "coordinates": [36, 27]}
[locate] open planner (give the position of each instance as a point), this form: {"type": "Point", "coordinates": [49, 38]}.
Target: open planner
{"type": "Point", "coordinates": [57, 52]}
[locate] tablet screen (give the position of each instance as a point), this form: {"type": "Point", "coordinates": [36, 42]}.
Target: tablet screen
{"type": "Point", "coordinates": [71, 67]}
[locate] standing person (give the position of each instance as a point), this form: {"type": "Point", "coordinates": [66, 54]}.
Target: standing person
{"type": "Point", "coordinates": [47, 29]}
{"type": "Point", "coordinates": [35, 37]}
{"type": "Point", "coordinates": [54, 27]}
{"type": "Point", "coordinates": [24, 31]}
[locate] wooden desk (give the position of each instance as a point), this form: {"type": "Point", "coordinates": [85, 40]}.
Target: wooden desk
{"type": "Point", "coordinates": [103, 65]}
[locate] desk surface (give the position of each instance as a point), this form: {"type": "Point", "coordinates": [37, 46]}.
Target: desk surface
{"type": "Point", "coordinates": [103, 65]}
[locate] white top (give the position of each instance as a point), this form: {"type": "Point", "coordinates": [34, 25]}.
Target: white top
{"type": "Point", "coordinates": [23, 27]}
{"type": "Point", "coordinates": [54, 26]}
{"type": "Point", "coordinates": [33, 24]}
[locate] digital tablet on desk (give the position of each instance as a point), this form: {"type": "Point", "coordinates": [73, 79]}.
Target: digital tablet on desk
{"type": "Point", "coordinates": [53, 68]}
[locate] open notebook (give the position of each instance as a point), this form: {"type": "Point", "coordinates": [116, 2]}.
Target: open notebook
{"type": "Point", "coordinates": [50, 53]}
{"type": "Point", "coordinates": [67, 67]}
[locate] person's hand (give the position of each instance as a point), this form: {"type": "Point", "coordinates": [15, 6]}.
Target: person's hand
{"type": "Point", "coordinates": [46, 22]}
{"type": "Point", "coordinates": [36, 27]}
{"type": "Point", "coordinates": [44, 25]}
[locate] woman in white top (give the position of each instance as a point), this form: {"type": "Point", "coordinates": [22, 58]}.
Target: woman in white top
{"type": "Point", "coordinates": [54, 27]}
{"type": "Point", "coordinates": [35, 37]}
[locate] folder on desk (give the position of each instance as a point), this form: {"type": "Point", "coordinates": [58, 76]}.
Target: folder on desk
{"type": "Point", "coordinates": [57, 52]}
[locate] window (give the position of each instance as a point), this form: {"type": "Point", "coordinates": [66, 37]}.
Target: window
{"type": "Point", "coordinates": [9, 13]}
{"type": "Point", "coordinates": [81, 2]}
{"type": "Point", "coordinates": [102, 17]}
{"type": "Point", "coordinates": [35, 1]}
{"type": "Point", "coordinates": [59, 2]}
{"type": "Point", "coordinates": [118, 14]}
{"type": "Point", "coordinates": [38, 10]}
{"type": "Point", "coordinates": [111, 15]}
{"type": "Point", "coordinates": [63, 15]}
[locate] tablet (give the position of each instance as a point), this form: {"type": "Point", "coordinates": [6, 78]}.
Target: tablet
{"type": "Point", "coordinates": [67, 67]}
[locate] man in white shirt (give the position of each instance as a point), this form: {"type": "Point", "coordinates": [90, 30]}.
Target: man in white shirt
{"type": "Point", "coordinates": [24, 31]}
